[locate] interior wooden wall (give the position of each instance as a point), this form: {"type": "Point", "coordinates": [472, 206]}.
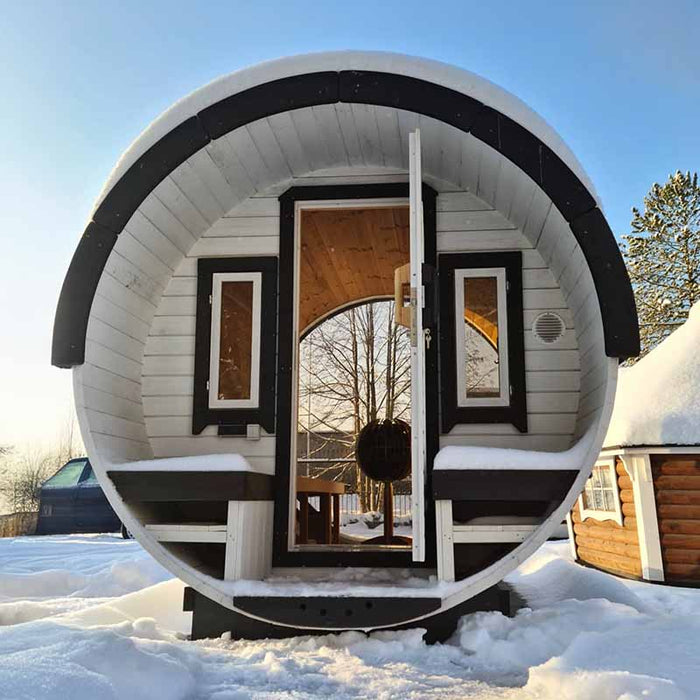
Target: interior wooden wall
{"type": "Point", "coordinates": [348, 255]}
{"type": "Point", "coordinates": [605, 544]}
{"type": "Point", "coordinates": [677, 487]}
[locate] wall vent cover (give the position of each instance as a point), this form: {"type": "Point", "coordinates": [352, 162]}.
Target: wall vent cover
{"type": "Point", "coordinates": [548, 328]}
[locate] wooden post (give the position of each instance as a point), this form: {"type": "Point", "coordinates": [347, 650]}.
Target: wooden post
{"type": "Point", "coordinates": [388, 512]}
{"type": "Point", "coordinates": [639, 469]}
{"type": "Point", "coordinates": [325, 499]}
{"type": "Point", "coordinates": [336, 518]}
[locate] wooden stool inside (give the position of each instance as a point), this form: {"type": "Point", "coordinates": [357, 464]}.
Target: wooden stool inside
{"type": "Point", "coordinates": [328, 492]}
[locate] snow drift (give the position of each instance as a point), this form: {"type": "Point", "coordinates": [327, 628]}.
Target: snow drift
{"type": "Point", "coordinates": [584, 635]}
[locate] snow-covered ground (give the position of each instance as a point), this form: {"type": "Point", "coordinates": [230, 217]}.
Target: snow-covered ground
{"type": "Point", "coordinates": [94, 617]}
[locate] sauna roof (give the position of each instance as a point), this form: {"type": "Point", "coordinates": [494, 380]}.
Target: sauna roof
{"type": "Point", "coordinates": [268, 124]}
{"type": "Point", "coordinates": [658, 399]}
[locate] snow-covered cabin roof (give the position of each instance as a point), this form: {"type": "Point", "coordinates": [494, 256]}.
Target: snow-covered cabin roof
{"type": "Point", "coordinates": [658, 399]}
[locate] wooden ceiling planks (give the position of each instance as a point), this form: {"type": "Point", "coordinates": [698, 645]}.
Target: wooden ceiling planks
{"type": "Point", "coordinates": [347, 255]}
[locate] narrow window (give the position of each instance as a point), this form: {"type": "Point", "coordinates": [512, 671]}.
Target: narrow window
{"type": "Point", "coordinates": [235, 330]}
{"type": "Point", "coordinates": [481, 337]}
{"type": "Point", "coordinates": [482, 344]}
{"type": "Point", "coordinates": [235, 349]}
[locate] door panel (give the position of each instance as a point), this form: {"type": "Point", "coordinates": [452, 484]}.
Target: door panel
{"type": "Point", "coordinates": [418, 436]}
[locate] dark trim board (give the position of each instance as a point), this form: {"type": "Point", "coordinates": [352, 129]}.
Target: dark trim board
{"type": "Point", "coordinates": [159, 486]}
{"type": "Point", "coordinates": [211, 620]}
{"type": "Point", "coordinates": [281, 556]}
{"type": "Point", "coordinates": [330, 611]}
{"type": "Point", "coordinates": [516, 412]}
{"type": "Point", "coordinates": [502, 484]}
{"type": "Point", "coordinates": [233, 421]}
{"type": "Point", "coordinates": [524, 149]}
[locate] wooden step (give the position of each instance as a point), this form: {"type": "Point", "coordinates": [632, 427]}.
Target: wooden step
{"type": "Point", "coordinates": [188, 532]}
{"type": "Point", "coordinates": [465, 534]}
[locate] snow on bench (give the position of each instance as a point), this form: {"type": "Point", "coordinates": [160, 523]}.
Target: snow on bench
{"type": "Point", "coordinates": [499, 458]}
{"type": "Point", "coordinates": [230, 462]}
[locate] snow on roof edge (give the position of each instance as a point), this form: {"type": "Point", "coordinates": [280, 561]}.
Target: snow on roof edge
{"type": "Point", "coordinates": [456, 78]}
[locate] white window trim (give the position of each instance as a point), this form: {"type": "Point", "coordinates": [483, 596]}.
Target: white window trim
{"type": "Point", "coordinates": [501, 289]}
{"type": "Point", "coordinates": [614, 515]}
{"type": "Point", "coordinates": [218, 278]}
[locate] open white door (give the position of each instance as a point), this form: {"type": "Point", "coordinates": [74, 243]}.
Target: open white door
{"type": "Point", "coordinates": [418, 438]}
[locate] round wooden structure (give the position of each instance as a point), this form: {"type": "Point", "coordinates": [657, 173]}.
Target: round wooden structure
{"type": "Point", "coordinates": [210, 210]}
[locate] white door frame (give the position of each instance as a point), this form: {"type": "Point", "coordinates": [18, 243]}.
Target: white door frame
{"type": "Point", "coordinates": [418, 417]}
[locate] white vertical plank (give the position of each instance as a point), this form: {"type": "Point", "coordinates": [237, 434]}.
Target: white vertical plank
{"type": "Point", "coordinates": [328, 128]}
{"type": "Point", "coordinates": [348, 130]}
{"type": "Point", "coordinates": [249, 157]}
{"type": "Point", "coordinates": [445, 541]}
{"type": "Point", "coordinates": [270, 151]}
{"type": "Point", "coordinates": [639, 469]}
{"type": "Point", "coordinates": [229, 163]}
{"type": "Point", "coordinates": [289, 142]}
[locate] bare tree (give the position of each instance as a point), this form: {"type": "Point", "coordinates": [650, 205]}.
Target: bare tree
{"type": "Point", "coordinates": [22, 472]}
{"type": "Point", "coordinates": [355, 367]}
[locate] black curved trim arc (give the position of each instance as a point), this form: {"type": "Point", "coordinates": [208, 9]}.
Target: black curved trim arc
{"type": "Point", "coordinates": [570, 196]}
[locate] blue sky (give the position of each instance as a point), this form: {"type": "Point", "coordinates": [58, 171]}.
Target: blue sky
{"type": "Point", "coordinates": [619, 80]}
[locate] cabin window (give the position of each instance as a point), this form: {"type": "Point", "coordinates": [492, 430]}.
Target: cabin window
{"type": "Point", "coordinates": [234, 369]}
{"type": "Point", "coordinates": [482, 345]}
{"type": "Point", "coordinates": [601, 496]}
{"type": "Point", "coordinates": [235, 345]}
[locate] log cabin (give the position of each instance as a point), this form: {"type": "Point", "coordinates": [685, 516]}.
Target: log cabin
{"type": "Point", "coordinates": [639, 513]}
{"type": "Point", "coordinates": [269, 203]}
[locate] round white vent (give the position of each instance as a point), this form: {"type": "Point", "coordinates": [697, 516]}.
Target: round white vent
{"type": "Point", "coordinates": [548, 328]}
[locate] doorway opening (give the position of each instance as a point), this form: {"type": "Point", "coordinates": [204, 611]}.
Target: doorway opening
{"type": "Point", "coordinates": [352, 368]}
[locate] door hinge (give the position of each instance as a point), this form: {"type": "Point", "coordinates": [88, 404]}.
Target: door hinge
{"type": "Point", "coordinates": [210, 300]}
{"type": "Point", "coordinates": [207, 385]}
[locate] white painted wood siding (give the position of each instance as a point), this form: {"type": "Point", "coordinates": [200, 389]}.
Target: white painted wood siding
{"type": "Point", "coordinates": [223, 202]}
{"type": "Point", "coordinates": [466, 223]}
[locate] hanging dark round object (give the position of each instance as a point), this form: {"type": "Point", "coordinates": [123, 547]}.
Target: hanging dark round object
{"type": "Point", "coordinates": [383, 449]}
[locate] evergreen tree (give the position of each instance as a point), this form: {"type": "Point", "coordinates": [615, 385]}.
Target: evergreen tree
{"type": "Point", "coordinates": [663, 256]}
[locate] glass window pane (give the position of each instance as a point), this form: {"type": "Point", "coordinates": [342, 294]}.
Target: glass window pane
{"type": "Point", "coordinates": [481, 337]}
{"type": "Point", "coordinates": [89, 478]}
{"type": "Point", "coordinates": [609, 500]}
{"type": "Point", "coordinates": [235, 349]}
{"type": "Point", "coordinates": [66, 476]}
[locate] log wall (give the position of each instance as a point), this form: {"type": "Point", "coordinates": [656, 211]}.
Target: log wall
{"type": "Point", "coordinates": [677, 488]}
{"type": "Point", "coordinates": [605, 544]}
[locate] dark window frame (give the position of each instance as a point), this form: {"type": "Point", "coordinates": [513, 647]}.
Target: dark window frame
{"type": "Point", "coordinates": [281, 555]}
{"type": "Point", "coordinates": [452, 413]}
{"type": "Point", "coordinates": [233, 421]}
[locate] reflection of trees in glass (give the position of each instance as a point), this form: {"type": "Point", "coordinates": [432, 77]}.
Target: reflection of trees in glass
{"type": "Point", "coordinates": [354, 368]}
{"type": "Point", "coordinates": [481, 337]}
{"type": "Point", "coordinates": [481, 364]}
